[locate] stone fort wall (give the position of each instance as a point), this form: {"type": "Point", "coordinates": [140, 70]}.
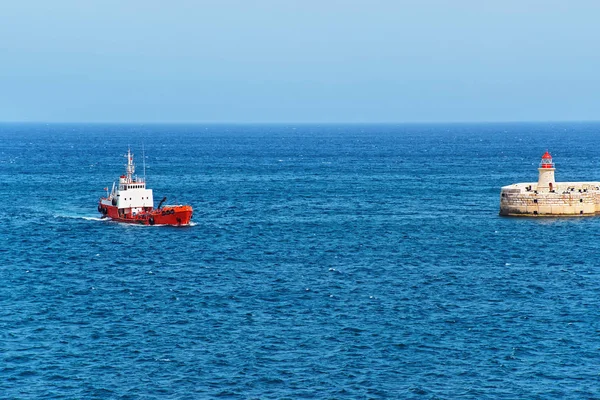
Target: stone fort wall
{"type": "Point", "coordinates": [576, 200]}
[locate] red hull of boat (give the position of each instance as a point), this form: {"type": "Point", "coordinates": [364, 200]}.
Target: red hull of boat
{"type": "Point", "coordinates": [169, 215]}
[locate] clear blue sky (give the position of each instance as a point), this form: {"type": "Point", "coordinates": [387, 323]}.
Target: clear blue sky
{"type": "Point", "coordinates": [299, 61]}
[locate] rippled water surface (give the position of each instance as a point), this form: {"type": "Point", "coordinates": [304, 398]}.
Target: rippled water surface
{"type": "Point", "coordinates": [331, 261]}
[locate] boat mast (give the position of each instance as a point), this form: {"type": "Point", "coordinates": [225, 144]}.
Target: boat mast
{"type": "Point", "coordinates": [130, 167]}
{"type": "Point", "coordinates": [144, 161]}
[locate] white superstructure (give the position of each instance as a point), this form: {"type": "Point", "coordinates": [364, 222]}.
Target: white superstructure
{"type": "Point", "coordinates": [131, 194]}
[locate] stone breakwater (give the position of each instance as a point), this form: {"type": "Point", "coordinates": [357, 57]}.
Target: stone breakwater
{"type": "Point", "coordinates": [566, 198]}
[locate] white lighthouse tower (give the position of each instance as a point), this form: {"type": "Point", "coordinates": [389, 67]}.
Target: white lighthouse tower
{"type": "Point", "coordinates": [546, 181]}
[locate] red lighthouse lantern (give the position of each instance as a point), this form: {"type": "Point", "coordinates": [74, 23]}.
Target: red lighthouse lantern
{"type": "Point", "coordinates": [546, 161]}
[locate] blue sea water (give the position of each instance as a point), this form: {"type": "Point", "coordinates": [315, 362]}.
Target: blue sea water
{"type": "Point", "coordinates": [325, 261]}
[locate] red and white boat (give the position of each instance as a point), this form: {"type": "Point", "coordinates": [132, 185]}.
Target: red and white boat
{"type": "Point", "coordinates": [132, 202]}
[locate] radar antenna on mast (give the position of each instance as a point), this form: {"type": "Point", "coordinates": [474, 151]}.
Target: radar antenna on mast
{"type": "Point", "coordinates": [130, 168]}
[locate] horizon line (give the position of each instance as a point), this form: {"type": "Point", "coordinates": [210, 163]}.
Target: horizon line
{"type": "Point", "coordinates": [296, 122]}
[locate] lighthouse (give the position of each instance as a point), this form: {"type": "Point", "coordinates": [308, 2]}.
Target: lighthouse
{"type": "Point", "coordinates": [546, 181]}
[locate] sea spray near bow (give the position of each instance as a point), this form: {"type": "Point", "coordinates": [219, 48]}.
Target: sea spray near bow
{"type": "Point", "coordinates": [326, 261]}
